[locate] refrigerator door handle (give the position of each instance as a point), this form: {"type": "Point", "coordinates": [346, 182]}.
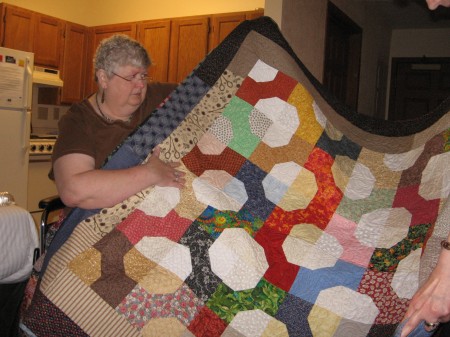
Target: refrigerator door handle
{"type": "Point", "coordinates": [26, 133]}
{"type": "Point", "coordinates": [28, 83]}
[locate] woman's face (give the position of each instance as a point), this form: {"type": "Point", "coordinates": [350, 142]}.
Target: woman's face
{"type": "Point", "coordinates": [126, 89]}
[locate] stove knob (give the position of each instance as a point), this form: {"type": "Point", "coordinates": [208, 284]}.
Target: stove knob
{"type": "Point", "coordinates": [49, 147]}
{"type": "Point", "coordinates": [33, 148]}
{"type": "Point", "coordinates": [41, 148]}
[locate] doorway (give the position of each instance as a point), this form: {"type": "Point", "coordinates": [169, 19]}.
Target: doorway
{"type": "Point", "coordinates": [342, 56]}
{"type": "Point", "coordinates": [418, 85]}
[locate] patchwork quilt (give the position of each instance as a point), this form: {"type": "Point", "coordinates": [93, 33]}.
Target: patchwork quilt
{"type": "Point", "coordinates": [300, 217]}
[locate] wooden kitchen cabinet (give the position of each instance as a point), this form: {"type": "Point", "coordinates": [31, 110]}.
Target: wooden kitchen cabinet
{"type": "Point", "coordinates": [97, 34]}
{"type": "Point", "coordinates": [223, 24]}
{"type": "Point", "coordinates": [74, 63]}
{"type": "Point", "coordinates": [17, 29]}
{"type": "Point", "coordinates": [188, 46]}
{"type": "Point", "coordinates": [48, 33]}
{"type": "Point", "coordinates": [34, 32]}
{"type": "Point", "coordinates": [176, 45]}
{"type": "Point", "coordinates": [155, 37]}
{"type": "Point", "coordinates": [250, 15]}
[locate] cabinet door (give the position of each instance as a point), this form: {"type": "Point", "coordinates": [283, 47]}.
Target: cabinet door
{"type": "Point", "coordinates": [221, 26]}
{"type": "Point", "coordinates": [48, 41]}
{"type": "Point", "coordinates": [18, 29]}
{"type": "Point", "coordinates": [97, 34]}
{"type": "Point", "coordinates": [74, 62]}
{"type": "Point", "coordinates": [188, 46]}
{"type": "Point", "coordinates": [255, 14]}
{"type": "Point", "coordinates": [155, 36]}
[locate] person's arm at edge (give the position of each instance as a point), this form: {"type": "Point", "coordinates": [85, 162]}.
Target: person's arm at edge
{"type": "Point", "coordinates": [80, 185]}
{"type": "Point", "coordinates": [432, 301]}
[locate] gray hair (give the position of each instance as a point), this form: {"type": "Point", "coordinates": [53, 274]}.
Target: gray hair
{"type": "Point", "coordinates": [120, 50]}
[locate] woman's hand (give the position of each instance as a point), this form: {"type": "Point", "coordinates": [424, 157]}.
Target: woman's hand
{"type": "Point", "coordinates": [431, 303]}
{"type": "Point", "coordinates": [165, 174]}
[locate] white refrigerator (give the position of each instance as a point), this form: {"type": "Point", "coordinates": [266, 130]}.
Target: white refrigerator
{"type": "Point", "coordinates": [16, 72]}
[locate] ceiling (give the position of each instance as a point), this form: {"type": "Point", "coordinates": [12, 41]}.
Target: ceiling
{"type": "Point", "coordinates": [409, 14]}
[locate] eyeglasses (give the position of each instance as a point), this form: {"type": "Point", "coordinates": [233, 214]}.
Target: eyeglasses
{"type": "Point", "coordinates": [134, 78]}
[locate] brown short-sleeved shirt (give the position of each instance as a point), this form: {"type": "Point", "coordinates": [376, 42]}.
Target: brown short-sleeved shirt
{"type": "Point", "coordinates": [82, 130]}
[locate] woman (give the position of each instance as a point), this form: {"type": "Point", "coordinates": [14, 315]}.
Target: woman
{"type": "Point", "coordinates": [93, 128]}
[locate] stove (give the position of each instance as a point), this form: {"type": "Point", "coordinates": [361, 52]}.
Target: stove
{"type": "Point", "coordinates": [42, 145]}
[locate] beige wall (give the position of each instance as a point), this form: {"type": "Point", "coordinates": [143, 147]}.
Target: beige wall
{"type": "Point", "coordinates": [303, 25]}
{"type": "Point", "coordinates": [428, 42]}
{"type": "Point", "coordinates": [275, 8]}
{"type": "Point", "coordinates": [98, 12]}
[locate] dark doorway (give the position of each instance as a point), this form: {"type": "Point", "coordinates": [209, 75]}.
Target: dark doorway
{"type": "Point", "coordinates": [342, 56]}
{"type": "Point", "coordinates": [418, 85]}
